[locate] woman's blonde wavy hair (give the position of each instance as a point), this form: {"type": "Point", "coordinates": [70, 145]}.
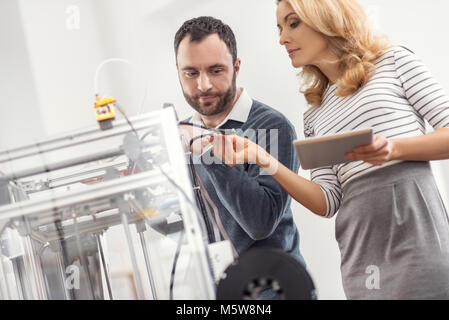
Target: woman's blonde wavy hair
{"type": "Point", "coordinates": [345, 26]}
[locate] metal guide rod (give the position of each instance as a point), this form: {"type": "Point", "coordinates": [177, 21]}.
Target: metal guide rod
{"type": "Point", "coordinates": [148, 265]}
{"type": "Point", "coordinates": [105, 267]}
{"type": "Point", "coordinates": [54, 178]}
{"type": "Point", "coordinates": [92, 134]}
{"type": "Point", "coordinates": [5, 292]}
{"type": "Point", "coordinates": [61, 268]}
{"type": "Point", "coordinates": [64, 253]}
{"type": "Point", "coordinates": [83, 259]}
{"type": "Point", "coordinates": [105, 189]}
{"type": "Point", "coordinates": [38, 283]}
{"type": "Point", "coordinates": [97, 225]}
{"type": "Point", "coordinates": [132, 253]}
{"type": "Point", "coordinates": [62, 164]}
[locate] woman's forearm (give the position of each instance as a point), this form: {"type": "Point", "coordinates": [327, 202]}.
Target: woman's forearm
{"type": "Point", "coordinates": [432, 146]}
{"type": "Point", "coordinates": [306, 192]}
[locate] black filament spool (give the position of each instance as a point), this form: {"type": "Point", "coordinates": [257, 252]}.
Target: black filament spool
{"type": "Point", "coordinates": [260, 269]}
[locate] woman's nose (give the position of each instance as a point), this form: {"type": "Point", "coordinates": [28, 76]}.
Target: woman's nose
{"type": "Point", "coordinates": [283, 39]}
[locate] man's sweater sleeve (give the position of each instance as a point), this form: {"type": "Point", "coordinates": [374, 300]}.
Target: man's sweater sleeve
{"type": "Point", "coordinates": [255, 200]}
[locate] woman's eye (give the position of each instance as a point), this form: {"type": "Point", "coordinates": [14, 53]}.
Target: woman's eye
{"type": "Point", "coordinates": [294, 24]}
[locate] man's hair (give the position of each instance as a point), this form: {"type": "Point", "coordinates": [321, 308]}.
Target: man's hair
{"type": "Point", "coordinates": [201, 27]}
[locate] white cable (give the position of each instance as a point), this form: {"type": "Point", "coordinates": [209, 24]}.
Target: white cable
{"type": "Point", "coordinates": [97, 75]}
{"type": "Point", "coordinates": [101, 65]}
{"type": "Point", "coordinates": [142, 103]}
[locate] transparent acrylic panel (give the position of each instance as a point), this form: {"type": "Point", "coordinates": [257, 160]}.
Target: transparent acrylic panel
{"type": "Point", "coordinates": [103, 215]}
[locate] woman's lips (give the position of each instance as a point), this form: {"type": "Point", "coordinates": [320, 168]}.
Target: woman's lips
{"type": "Point", "coordinates": [292, 52]}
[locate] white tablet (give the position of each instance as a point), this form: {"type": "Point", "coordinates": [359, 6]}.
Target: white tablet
{"type": "Point", "coordinates": [330, 150]}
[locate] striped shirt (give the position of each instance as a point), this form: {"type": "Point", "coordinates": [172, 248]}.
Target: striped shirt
{"type": "Point", "coordinates": [395, 103]}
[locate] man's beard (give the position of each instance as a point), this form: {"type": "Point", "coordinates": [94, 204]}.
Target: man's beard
{"type": "Point", "coordinates": [225, 100]}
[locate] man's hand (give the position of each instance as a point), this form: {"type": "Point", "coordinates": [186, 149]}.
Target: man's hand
{"type": "Point", "coordinates": [376, 153]}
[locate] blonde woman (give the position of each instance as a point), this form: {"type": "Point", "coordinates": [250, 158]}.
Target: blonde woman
{"type": "Point", "coordinates": [391, 227]}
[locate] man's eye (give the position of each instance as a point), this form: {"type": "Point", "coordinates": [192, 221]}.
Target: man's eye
{"type": "Point", "coordinates": [190, 74]}
{"type": "Point", "coordinates": [217, 71]}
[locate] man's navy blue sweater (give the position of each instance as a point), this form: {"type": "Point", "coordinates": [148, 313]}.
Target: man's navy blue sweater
{"type": "Point", "coordinates": [254, 208]}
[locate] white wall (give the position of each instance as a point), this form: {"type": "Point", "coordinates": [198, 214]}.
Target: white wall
{"type": "Point", "coordinates": [63, 62]}
{"type": "Point", "coordinates": [19, 111]}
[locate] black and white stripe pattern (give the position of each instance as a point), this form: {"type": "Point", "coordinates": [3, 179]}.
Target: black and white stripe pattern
{"type": "Point", "coordinates": [395, 103]}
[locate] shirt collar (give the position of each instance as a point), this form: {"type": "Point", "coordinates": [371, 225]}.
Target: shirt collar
{"type": "Point", "coordinates": [240, 111]}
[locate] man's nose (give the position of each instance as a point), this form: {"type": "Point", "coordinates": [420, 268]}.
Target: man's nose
{"type": "Point", "coordinates": [204, 83]}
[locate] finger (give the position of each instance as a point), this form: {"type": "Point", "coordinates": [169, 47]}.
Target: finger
{"type": "Point", "coordinates": [376, 162]}
{"type": "Point", "coordinates": [229, 153]}
{"type": "Point", "coordinates": [196, 146]}
{"type": "Point", "coordinates": [233, 145]}
{"type": "Point", "coordinates": [232, 148]}
{"type": "Point", "coordinates": [222, 147]}
{"type": "Point", "coordinates": [205, 142]}
{"type": "Point", "coordinates": [239, 144]}
{"type": "Point", "coordinates": [385, 151]}
{"type": "Point", "coordinates": [218, 146]}
{"type": "Point", "coordinates": [373, 159]}
{"type": "Point", "coordinates": [367, 156]}
{"type": "Point", "coordinates": [378, 143]}
{"type": "Point", "coordinates": [241, 150]}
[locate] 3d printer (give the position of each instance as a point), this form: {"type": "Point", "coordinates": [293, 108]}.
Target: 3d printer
{"type": "Point", "coordinates": [103, 215]}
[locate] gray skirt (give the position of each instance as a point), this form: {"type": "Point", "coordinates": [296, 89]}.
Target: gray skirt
{"type": "Point", "coordinates": [393, 233]}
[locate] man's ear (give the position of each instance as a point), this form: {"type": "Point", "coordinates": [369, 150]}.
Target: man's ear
{"type": "Point", "coordinates": [237, 65]}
